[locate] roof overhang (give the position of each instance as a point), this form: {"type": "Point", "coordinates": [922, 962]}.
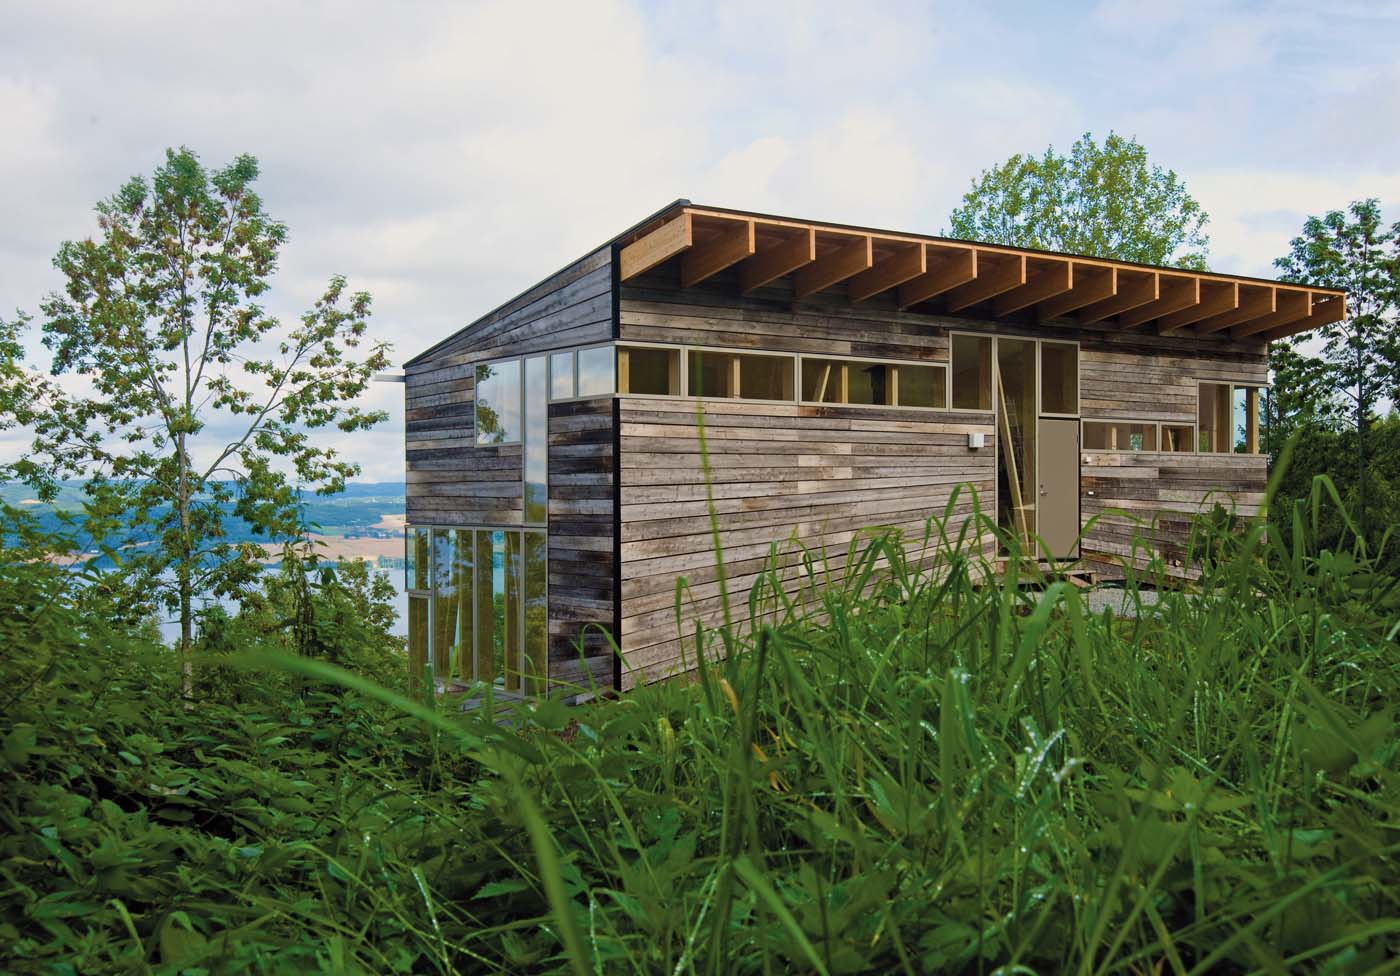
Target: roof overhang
{"type": "Point", "coordinates": [944, 276]}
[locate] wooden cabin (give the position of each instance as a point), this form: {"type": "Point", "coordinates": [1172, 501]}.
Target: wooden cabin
{"type": "Point", "coordinates": [849, 378]}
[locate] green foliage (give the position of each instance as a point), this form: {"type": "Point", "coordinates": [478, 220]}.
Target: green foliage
{"type": "Point", "coordinates": [903, 771]}
{"type": "Point", "coordinates": [1329, 399]}
{"type": "Point", "coordinates": [201, 401]}
{"type": "Point", "coordinates": [1101, 200]}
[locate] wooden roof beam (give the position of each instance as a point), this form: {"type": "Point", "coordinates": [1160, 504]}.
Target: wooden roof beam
{"type": "Point", "coordinates": [645, 253]}
{"type": "Point", "coordinates": [1293, 307]}
{"type": "Point", "coordinates": [1091, 284]}
{"type": "Point", "coordinates": [834, 267]}
{"type": "Point", "coordinates": [895, 270]}
{"type": "Point", "coordinates": [957, 268]}
{"type": "Point", "coordinates": [730, 246]}
{"type": "Point", "coordinates": [1176, 295]}
{"type": "Point", "coordinates": [1216, 299]}
{"type": "Point", "coordinates": [1323, 313]}
{"type": "Point", "coordinates": [1254, 303]}
{"type": "Point", "coordinates": [989, 283]}
{"type": "Point", "coordinates": [1133, 292]}
{"type": "Point", "coordinates": [772, 263]}
{"type": "Point", "coordinates": [1057, 279]}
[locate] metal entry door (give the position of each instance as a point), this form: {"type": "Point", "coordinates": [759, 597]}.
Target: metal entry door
{"type": "Point", "coordinates": [1059, 487]}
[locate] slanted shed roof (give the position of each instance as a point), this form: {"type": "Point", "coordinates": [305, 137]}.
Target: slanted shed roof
{"type": "Point", "coordinates": [942, 275]}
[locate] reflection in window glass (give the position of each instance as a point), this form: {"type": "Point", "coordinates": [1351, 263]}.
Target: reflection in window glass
{"type": "Point", "coordinates": [498, 402]}
{"type": "Point", "coordinates": [415, 559]}
{"type": "Point", "coordinates": [536, 612]}
{"type": "Point", "coordinates": [595, 372]}
{"type": "Point", "coordinates": [1103, 435]}
{"type": "Point", "coordinates": [536, 445]}
{"type": "Point", "coordinates": [490, 549]}
{"type": "Point", "coordinates": [654, 372]}
{"type": "Point", "coordinates": [765, 377]}
{"type": "Point", "coordinates": [418, 636]}
{"type": "Point", "coordinates": [561, 375]}
{"type": "Point", "coordinates": [452, 603]}
{"type": "Point", "coordinates": [710, 374]}
{"type": "Point", "coordinates": [1213, 422]}
{"type": "Point", "coordinates": [1177, 437]}
{"type": "Point", "coordinates": [972, 372]}
{"type": "Point", "coordinates": [1246, 417]}
{"type": "Point", "coordinates": [1059, 377]}
{"type": "Point", "coordinates": [922, 386]}
{"type": "Point", "coordinates": [823, 381]}
{"type": "Point", "coordinates": [508, 633]}
{"type": "Point", "coordinates": [868, 383]}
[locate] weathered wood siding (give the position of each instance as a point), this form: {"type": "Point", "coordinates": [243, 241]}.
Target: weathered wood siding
{"type": "Point", "coordinates": [1155, 378]}
{"type": "Point", "coordinates": [581, 558]}
{"type": "Point", "coordinates": [453, 482]}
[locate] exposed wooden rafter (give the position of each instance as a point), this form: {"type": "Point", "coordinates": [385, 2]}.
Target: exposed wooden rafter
{"type": "Point", "coordinates": [727, 247]}
{"type": "Point", "coordinates": [698, 243]}
{"type": "Point", "coordinates": [782, 258]}
{"type": "Point", "coordinates": [989, 283]}
{"type": "Point", "coordinates": [955, 266]}
{"type": "Point", "coordinates": [890, 272]}
{"type": "Point", "coordinates": [848, 258]}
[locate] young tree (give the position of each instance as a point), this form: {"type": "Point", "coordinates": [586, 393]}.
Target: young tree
{"type": "Point", "coordinates": [199, 402]}
{"type": "Point", "coordinates": [1359, 363]}
{"type": "Point", "coordinates": [1100, 200]}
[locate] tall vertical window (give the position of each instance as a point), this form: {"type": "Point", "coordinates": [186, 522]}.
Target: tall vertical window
{"type": "Point", "coordinates": [595, 372]}
{"type": "Point", "coordinates": [417, 566]}
{"type": "Point", "coordinates": [972, 371]}
{"type": "Point", "coordinates": [452, 603]}
{"type": "Point", "coordinates": [561, 375]}
{"type": "Point", "coordinates": [1059, 377]}
{"type": "Point", "coordinates": [488, 569]}
{"type": "Point", "coordinates": [536, 611]}
{"type": "Point", "coordinates": [1017, 493]}
{"type": "Point", "coordinates": [498, 402]}
{"type": "Point", "coordinates": [1213, 420]}
{"type": "Point", "coordinates": [1247, 420]}
{"type": "Point", "coordinates": [535, 462]}
{"type": "Point", "coordinates": [512, 565]}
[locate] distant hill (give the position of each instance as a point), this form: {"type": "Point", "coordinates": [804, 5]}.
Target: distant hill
{"type": "Point", "coordinates": [359, 511]}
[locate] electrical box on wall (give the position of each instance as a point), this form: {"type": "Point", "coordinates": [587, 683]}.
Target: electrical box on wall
{"type": "Point", "coordinates": [976, 440]}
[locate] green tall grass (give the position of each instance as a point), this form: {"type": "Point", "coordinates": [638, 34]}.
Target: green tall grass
{"type": "Point", "coordinates": [922, 766]}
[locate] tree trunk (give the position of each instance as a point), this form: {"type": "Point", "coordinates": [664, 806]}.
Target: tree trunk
{"type": "Point", "coordinates": [184, 572]}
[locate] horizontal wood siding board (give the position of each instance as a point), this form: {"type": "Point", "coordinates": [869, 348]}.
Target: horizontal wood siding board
{"type": "Point", "coordinates": [581, 568]}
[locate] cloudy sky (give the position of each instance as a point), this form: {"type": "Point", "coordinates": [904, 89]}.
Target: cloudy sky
{"type": "Point", "coordinates": [445, 156]}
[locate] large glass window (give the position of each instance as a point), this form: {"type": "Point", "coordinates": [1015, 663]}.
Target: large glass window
{"type": "Point", "coordinates": [642, 369]}
{"type": "Point", "coordinates": [1059, 377]}
{"type": "Point", "coordinates": [417, 566]}
{"type": "Point", "coordinates": [869, 383]}
{"type": "Point", "coordinates": [452, 603]}
{"type": "Point", "coordinates": [972, 372]}
{"type": "Point", "coordinates": [535, 462]}
{"type": "Point", "coordinates": [561, 375]}
{"type": "Point", "coordinates": [536, 612]}
{"type": "Point", "coordinates": [1017, 492]}
{"type": "Point", "coordinates": [490, 552]}
{"type": "Point", "coordinates": [823, 381]}
{"type": "Point", "coordinates": [922, 386]}
{"type": "Point", "coordinates": [765, 377]}
{"type": "Point", "coordinates": [509, 633]}
{"type": "Point", "coordinates": [1246, 417]}
{"type": "Point", "coordinates": [498, 402]}
{"type": "Point", "coordinates": [595, 372]}
{"type": "Point", "coordinates": [1120, 435]}
{"type": "Point", "coordinates": [1213, 422]}
{"type": "Point", "coordinates": [710, 374]}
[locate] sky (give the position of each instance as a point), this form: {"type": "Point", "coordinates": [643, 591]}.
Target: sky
{"type": "Point", "coordinates": [445, 156]}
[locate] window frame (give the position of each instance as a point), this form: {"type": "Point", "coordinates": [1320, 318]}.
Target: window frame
{"type": "Point", "coordinates": [430, 594]}
{"type": "Point", "coordinates": [476, 399]}
{"type": "Point", "coordinates": [894, 364]}
{"type": "Point", "coordinates": [1144, 421]}
{"type": "Point", "coordinates": [992, 338]}
{"type": "Point", "coordinates": [1265, 389]}
{"type": "Point", "coordinates": [1040, 378]}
